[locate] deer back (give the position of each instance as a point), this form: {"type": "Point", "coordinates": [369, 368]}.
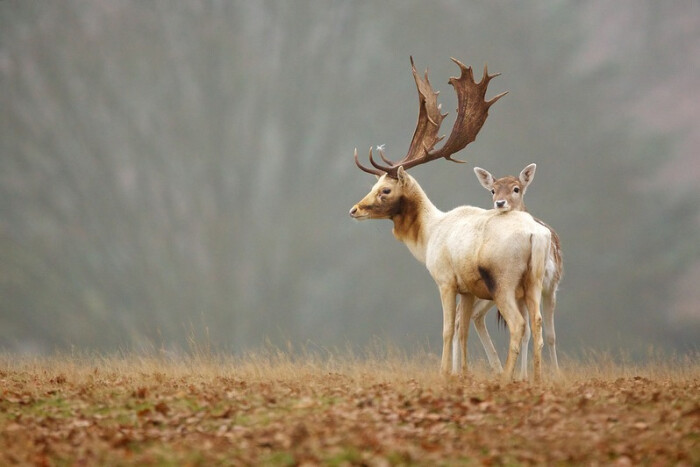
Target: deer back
{"type": "Point", "coordinates": [480, 250]}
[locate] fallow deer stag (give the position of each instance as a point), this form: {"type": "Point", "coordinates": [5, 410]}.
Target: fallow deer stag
{"type": "Point", "coordinates": [468, 251]}
{"type": "Point", "coordinates": [509, 195]}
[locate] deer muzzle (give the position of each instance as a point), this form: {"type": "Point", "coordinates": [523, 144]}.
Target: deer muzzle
{"type": "Point", "coordinates": [357, 213]}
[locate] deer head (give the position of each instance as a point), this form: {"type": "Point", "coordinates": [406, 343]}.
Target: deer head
{"type": "Point", "coordinates": [383, 201]}
{"type": "Point", "coordinates": [508, 192]}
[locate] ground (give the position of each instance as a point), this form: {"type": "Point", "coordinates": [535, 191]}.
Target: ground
{"type": "Point", "coordinates": [282, 410]}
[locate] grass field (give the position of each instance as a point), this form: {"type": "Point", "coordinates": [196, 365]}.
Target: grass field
{"type": "Point", "coordinates": [274, 409]}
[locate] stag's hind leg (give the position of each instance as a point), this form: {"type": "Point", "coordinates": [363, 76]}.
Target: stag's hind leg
{"type": "Point", "coordinates": [533, 308]}
{"type": "Point", "coordinates": [525, 341]}
{"type": "Point", "coordinates": [549, 303]}
{"type": "Point", "coordinates": [508, 306]}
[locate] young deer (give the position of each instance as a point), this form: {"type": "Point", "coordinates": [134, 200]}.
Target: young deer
{"type": "Point", "coordinates": [470, 252]}
{"type": "Point", "coordinates": [509, 195]}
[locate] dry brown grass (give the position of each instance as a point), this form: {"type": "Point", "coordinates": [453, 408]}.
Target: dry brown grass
{"type": "Point", "coordinates": [383, 408]}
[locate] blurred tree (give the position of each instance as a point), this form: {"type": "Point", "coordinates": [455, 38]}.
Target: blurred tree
{"type": "Point", "coordinates": [174, 171]}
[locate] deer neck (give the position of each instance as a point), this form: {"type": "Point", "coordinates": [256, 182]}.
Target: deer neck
{"type": "Point", "coordinates": [414, 220]}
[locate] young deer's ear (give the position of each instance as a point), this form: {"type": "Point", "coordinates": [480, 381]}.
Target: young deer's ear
{"type": "Point", "coordinates": [485, 178]}
{"type": "Point", "coordinates": [527, 175]}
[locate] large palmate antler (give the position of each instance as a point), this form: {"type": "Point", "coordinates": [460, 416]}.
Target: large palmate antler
{"type": "Point", "coordinates": [472, 110]}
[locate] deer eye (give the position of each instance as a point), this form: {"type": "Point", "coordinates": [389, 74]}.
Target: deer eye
{"type": "Point", "coordinates": [516, 189]}
{"type": "Point", "coordinates": [493, 192]}
{"type": "Point", "coordinates": [386, 191]}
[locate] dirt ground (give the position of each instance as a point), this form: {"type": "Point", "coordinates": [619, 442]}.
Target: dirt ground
{"type": "Point", "coordinates": [284, 411]}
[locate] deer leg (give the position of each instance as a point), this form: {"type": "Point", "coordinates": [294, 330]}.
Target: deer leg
{"type": "Point", "coordinates": [448, 297]}
{"type": "Point", "coordinates": [549, 302]}
{"type": "Point", "coordinates": [455, 342]}
{"type": "Point", "coordinates": [466, 304]}
{"type": "Point", "coordinates": [456, 350]}
{"type": "Point", "coordinates": [525, 342]}
{"type": "Point", "coordinates": [456, 360]}
{"type": "Point", "coordinates": [508, 307]}
{"type": "Point", "coordinates": [533, 307]}
{"type": "Point", "coordinates": [478, 315]}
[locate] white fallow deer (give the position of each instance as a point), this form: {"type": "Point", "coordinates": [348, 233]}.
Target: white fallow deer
{"type": "Point", "coordinates": [509, 195]}
{"type": "Point", "coordinates": [469, 251]}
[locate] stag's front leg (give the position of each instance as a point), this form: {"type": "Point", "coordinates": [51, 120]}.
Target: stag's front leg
{"type": "Point", "coordinates": [466, 304]}
{"type": "Point", "coordinates": [455, 345]}
{"type": "Point", "coordinates": [448, 296]}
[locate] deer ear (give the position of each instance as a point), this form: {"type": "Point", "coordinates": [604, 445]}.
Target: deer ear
{"type": "Point", "coordinates": [401, 175]}
{"type": "Point", "coordinates": [485, 178]}
{"type": "Point", "coordinates": [527, 175]}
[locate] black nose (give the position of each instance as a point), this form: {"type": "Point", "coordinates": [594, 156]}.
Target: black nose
{"type": "Point", "coordinates": [353, 210]}
{"type": "Point", "coordinates": [500, 204]}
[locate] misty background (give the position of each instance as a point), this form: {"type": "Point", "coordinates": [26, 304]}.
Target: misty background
{"type": "Point", "coordinates": [178, 171]}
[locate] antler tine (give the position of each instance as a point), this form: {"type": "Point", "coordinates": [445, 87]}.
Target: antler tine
{"type": "Point", "coordinates": [489, 103]}
{"type": "Point", "coordinates": [375, 164]}
{"type": "Point", "coordinates": [385, 159]}
{"type": "Point", "coordinates": [366, 169]}
{"type": "Point", "coordinates": [472, 110]}
{"type": "Point", "coordinates": [487, 77]}
{"type": "Point", "coordinates": [485, 82]}
{"type": "Point", "coordinates": [429, 120]}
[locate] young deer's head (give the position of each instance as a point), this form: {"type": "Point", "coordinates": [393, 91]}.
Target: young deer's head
{"type": "Point", "coordinates": [508, 192]}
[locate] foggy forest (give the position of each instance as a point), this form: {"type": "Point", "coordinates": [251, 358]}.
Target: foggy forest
{"type": "Point", "coordinates": [178, 172]}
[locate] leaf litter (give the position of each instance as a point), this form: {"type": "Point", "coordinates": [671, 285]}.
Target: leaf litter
{"type": "Point", "coordinates": [139, 411]}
